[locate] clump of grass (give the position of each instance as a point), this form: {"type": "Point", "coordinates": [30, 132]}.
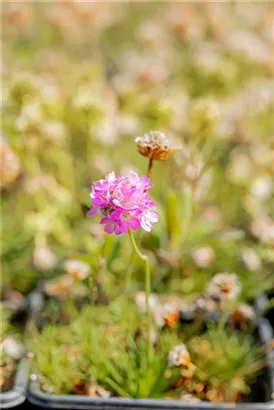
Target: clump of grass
{"type": "Point", "coordinates": [227, 364]}
{"type": "Point", "coordinates": [106, 346]}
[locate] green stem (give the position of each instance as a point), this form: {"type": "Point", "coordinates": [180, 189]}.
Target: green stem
{"type": "Point", "coordinates": [150, 163]}
{"type": "Point", "coordinates": [144, 258]}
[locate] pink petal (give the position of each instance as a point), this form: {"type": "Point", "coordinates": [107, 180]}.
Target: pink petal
{"type": "Point", "coordinates": [92, 211]}
{"type": "Point", "coordinates": [124, 226]}
{"type": "Point", "coordinates": [135, 224]}
{"type": "Point", "coordinates": [117, 230]}
{"type": "Point", "coordinates": [109, 227]}
{"type": "Point", "coordinates": [146, 225]}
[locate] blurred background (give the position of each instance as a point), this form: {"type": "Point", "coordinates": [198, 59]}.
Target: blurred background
{"type": "Point", "coordinates": [81, 80]}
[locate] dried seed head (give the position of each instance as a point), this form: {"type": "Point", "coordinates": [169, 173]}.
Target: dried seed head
{"type": "Point", "coordinates": [10, 165]}
{"type": "Point", "coordinates": [179, 356]}
{"type": "Point", "coordinates": [224, 287]}
{"type": "Point", "coordinates": [156, 146]}
{"type": "Point", "coordinates": [77, 269]}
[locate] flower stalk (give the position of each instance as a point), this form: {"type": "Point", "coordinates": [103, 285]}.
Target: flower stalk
{"type": "Point", "coordinates": [144, 258]}
{"type": "Point", "coordinates": [150, 163]}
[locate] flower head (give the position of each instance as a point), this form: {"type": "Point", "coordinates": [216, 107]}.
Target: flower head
{"type": "Point", "coordinates": [59, 287]}
{"type": "Point", "coordinates": [124, 203]}
{"type": "Point", "coordinates": [224, 287]}
{"type": "Point", "coordinates": [77, 269]}
{"type": "Point", "coordinates": [203, 306]}
{"type": "Point", "coordinates": [179, 356]}
{"type": "Point", "coordinates": [156, 146]}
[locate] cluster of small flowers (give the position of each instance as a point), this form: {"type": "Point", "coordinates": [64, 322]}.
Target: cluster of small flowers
{"type": "Point", "coordinates": [123, 203]}
{"type": "Point", "coordinates": [179, 356]}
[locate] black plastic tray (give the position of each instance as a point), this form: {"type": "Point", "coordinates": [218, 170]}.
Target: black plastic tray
{"type": "Point", "coordinates": [80, 402]}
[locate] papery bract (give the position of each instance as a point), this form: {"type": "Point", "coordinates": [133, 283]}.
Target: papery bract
{"type": "Point", "coordinates": [123, 203]}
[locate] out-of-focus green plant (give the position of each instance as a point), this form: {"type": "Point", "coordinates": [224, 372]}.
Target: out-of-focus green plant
{"type": "Point", "coordinates": [227, 364]}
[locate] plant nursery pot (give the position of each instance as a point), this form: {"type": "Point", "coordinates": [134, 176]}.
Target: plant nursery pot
{"type": "Point", "coordinates": [17, 394]}
{"type": "Point", "coordinates": [261, 304]}
{"type": "Point", "coordinates": [265, 392]}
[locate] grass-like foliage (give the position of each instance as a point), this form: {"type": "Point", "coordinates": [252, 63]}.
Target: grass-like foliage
{"type": "Point", "coordinates": [107, 348]}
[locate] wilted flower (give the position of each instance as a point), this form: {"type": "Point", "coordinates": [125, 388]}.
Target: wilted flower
{"type": "Point", "coordinates": [165, 314]}
{"type": "Point", "coordinates": [179, 356]}
{"type": "Point", "coordinates": [10, 165]}
{"type": "Point", "coordinates": [203, 257]}
{"type": "Point", "coordinates": [43, 258]}
{"type": "Point", "coordinates": [123, 203]}
{"type": "Point", "coordinates": [77, 269]}
{"type": "Point", "coordinates": [203, 306]}
{"type": "Point", "coordinates": [59, 287]}
{"type": "Point", "coordinates": [242, 315]}
{"type": "Point", "coordinates": [156, 146]}
{"type": "Point", "coordinates": [224, 287]}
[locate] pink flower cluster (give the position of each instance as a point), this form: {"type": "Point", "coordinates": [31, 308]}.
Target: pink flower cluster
{"type": "Point", "coordinates": [124, 203]}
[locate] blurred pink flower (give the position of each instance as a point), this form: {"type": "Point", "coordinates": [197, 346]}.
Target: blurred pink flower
{"type": "Point", "coordinates": [124, 203]}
